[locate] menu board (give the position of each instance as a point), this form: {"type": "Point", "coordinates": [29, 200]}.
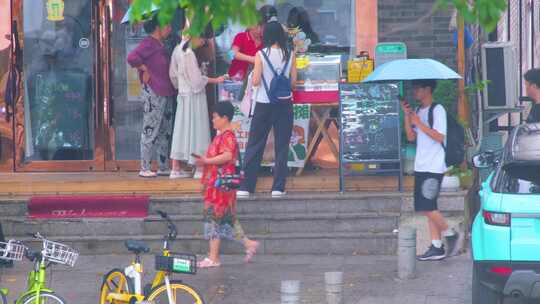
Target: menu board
{"type": "Point", "coordinates": [370, 134]}
{"type": "Point", "coordinates": [232, 91]}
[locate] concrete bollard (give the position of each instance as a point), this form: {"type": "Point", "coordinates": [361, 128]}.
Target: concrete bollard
{"type": "Point", "coordinates": [407, 253]}
{"type": "Point", "coordinates": [290, 292]}
{"type": "Point", "coordinates": [334, 287]}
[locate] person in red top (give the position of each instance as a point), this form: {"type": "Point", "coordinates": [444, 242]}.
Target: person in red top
{"type": "Point", "coordinates": [247, 44]}
{"type": "Point", "coordinates": [220, 220]}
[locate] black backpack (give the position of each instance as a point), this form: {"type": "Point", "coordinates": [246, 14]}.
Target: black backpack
{"type": "Point", "coordinates": [280, 89]}
{"type": "Point", "coordinates": [455, 138]}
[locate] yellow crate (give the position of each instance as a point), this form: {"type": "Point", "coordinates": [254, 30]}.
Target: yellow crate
{"type": "Point", "coordinates": [358, 69]}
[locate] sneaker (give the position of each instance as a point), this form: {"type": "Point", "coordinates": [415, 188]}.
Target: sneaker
{"type": "Point", "coordinates": [165, 172]}
{"type": "Point", "coordinates": [278, 193]}
{"type": "Point", "coordinates": [147, 174]}
{"type": "Point", "coordinates": [432, 254]}
{"type": "Point", "coordinates": [242, 194]}
{"type": "Point", "coordinates": [179, 174]}
{"type": "Point", "coordinates": [453, 242]}
{"type": "Point", "coordinates": [198, 173]}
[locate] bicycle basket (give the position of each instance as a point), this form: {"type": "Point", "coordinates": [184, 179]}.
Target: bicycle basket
{"type": "Point", "coordinates": [12, 250]}
{"type": "Point", "coordinates": [177, 263]}
{"type": "Point", "coordinates": [59, 253]}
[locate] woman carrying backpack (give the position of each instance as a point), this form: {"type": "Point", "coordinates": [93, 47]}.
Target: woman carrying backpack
{"type": "Point", "coordinates": [274, 77]}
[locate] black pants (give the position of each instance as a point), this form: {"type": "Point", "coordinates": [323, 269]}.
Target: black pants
{"type": "Point", "coordinates": [268, 116]}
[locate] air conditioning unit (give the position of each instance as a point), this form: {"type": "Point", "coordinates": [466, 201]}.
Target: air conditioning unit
{"type": "Point", "coordinates": [500, 66]}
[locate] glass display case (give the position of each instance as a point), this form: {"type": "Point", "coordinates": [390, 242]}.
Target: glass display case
{"type": "Point", "coordinates": [318, 79]}
{"type": "Point", "coordinates": [318, 72]}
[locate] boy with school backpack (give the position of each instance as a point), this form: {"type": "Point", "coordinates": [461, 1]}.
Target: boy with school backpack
{"type": "Point", "coordinates": [439, 143]}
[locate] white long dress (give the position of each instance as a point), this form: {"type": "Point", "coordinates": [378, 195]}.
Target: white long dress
{"type": "Point", "coordinates": [191, 126]}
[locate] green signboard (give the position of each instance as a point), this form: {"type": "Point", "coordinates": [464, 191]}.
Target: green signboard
{"type": "Point", "coordinates": [388, 51]}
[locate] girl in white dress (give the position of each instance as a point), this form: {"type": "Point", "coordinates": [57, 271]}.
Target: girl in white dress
{"type": "Point", "coordinates": [191, 126]}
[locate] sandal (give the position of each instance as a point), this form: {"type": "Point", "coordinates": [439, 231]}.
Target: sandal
{"type": "Point", "coordinates": [250, 253]}
{"type": "Point", "coordinates": [207, 263]}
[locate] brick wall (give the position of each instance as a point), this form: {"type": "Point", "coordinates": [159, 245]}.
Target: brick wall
{"type": "Point", "coordinates": [420, 26]}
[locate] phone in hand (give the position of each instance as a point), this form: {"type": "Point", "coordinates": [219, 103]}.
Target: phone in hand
{"type": "Point", "coordinates": [407, 106]}
{"type": "Point", "coordinates": [196, 155]}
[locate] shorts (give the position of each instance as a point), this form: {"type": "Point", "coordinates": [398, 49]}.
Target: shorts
{"type": "Point", "coordinates": [427, 187]}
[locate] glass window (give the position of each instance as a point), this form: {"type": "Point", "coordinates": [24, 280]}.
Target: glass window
{"type": "Point", "coordinates": [126, 89]}
{"type": "Point", "coordinates": [521, 178]}
{"type": "Point", "coordinates": [327, 22]}
{"type": "Point", "coordinates": [58, 79]}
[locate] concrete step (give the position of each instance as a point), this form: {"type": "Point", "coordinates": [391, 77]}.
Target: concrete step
{"type": "Point", "coordinates": [260, 204]}
{"type": "Point", "coordinates": [192, 224]}
{"type": "Point", "coordinates": [308, 223]}
{"type": "Point", "coordinates": [366, 243]}
{"type": "Point", "coordinates": [303, 203]}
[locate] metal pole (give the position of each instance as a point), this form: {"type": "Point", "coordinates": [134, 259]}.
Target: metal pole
{"type": "Point", "coordinates": [532, 29]}
{"type": "Point", "coordinates": [463, 105]}
{"type": "Point", "coordinates": [340, 154]}
{"type": "Point", "coordinates": [290, 292]}
{"type": "Point", "coordinates": [407, 253]}
{"type": "Point", "coordinates": [509, 29]}
{"type": "Point", "coordinates": [334, 287]}
{"type": "Point", "coordinates": [520, 56]}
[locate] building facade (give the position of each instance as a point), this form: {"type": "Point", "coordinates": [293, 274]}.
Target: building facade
{"type": "Point", "coordinates": [69, 101]}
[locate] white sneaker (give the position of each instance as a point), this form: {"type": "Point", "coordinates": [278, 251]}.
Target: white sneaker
{"type": "Point", "coordinates": [198, 174]}
{"type": "Point", "coordinates": [242, 194]}
{"type": "Point", "coordinates": [278, 193]}
{"type": "Point", "coordinates": [179, 174]}
{"type": "Point", "coordinates": [147, 174]}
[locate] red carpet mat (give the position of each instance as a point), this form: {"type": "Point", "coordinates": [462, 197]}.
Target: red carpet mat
{"type": "Point", "coordinates": [80, 206]}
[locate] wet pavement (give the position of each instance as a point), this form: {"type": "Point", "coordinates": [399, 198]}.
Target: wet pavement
{"type": "Point", "coordinates": [368, 279]}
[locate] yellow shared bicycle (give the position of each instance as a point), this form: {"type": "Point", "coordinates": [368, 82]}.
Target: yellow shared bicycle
{"type": "Point", "coordinates": [125, 285]}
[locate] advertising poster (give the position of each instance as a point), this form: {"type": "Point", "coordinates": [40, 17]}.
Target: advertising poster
{"type": "Point", "coordinates": [134, 35]}
{"type": "Point", "coordinates": [300, 134]}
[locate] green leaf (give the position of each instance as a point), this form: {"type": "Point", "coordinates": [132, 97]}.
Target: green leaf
{"type": "Point", "coordinates": [199, 12]}
{"type": "Point", "coordinates": [486, 13]}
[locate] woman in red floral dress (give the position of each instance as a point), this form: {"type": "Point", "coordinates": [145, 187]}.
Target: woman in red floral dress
{"type": "Point", "coordinates": [220, 205]}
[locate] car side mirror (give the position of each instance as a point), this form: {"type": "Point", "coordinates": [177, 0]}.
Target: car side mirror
{"type": "Point", "coordinates": [484, 160]}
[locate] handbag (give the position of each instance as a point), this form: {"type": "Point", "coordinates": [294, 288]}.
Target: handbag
{"type": "Point", "coordinates": [228, 182]}
{"type": "Point", "coordinates": [246, 105]}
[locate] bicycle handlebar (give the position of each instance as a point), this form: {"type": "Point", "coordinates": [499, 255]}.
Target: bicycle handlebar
{"type": "Point", "coordinates": [173, 232]}
{"type": "Point", "coordinates": [36, 235]}
{"type": "Point", "coordinates": [32, 255]}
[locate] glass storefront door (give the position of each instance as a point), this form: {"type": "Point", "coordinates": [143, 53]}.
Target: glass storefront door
{"type": "Point", "coordinates": [59, 123]}
{"type": "Point", "coordinates": [81, 108]}
{"type": "Point", "coordinates": [127, 106]}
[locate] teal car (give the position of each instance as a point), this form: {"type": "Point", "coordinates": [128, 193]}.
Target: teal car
{"type": "Point", "coordinates": [506, 230]}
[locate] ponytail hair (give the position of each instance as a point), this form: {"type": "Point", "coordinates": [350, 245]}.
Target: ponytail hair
{"type": "Point", "coordinates": [186, 45]}
{"type": "Point", "coordinates": [275, 34]}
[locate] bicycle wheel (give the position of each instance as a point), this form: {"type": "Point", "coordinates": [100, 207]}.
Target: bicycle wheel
{"type": "Point", "coordinates": [113, 282]}
{"type": "Point", "coordinates": [44, 298]}
{"type": "Point", "coordinates": [182, 294]}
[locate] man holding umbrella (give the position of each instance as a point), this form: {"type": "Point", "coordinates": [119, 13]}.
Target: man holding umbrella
{"type": "Point", "coordinates": [427, 126]}
{"type": "Point", "coordinates": [429, 165]}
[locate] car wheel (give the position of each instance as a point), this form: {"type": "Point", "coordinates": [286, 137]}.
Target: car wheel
{"type": "Point", "coordinates": [481, 294]}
